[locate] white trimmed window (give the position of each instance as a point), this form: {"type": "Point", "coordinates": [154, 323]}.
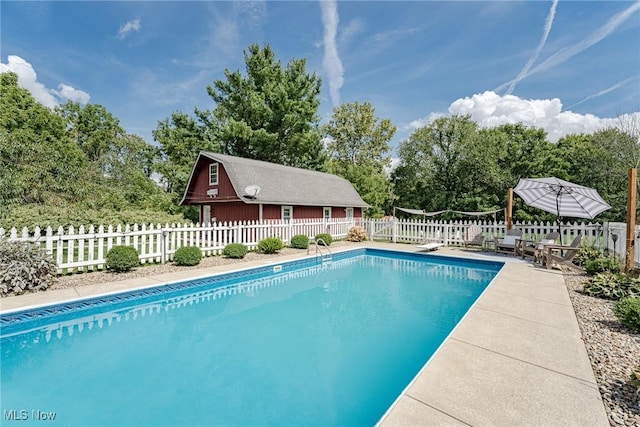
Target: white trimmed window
{"type": "Point", "coordinates": [213, 174]}
{"type": "Point", "coordinates": [287, 213]}
{"type": "Point", "coordinates": [349, 212]}
{"type": "Point", "coordinates": [326, 213]}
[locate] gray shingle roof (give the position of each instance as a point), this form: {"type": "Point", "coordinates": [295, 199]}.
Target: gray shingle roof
{"type": "Point", "coordinates": [284, 185]}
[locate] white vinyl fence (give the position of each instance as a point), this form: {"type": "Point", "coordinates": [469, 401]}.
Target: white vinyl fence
{"type": "Point", "coordinates": [456, 232]}
{"type": "Point", "coordinates": [84, 249]}
{"type": "Point", "coordinates": [609, 236]}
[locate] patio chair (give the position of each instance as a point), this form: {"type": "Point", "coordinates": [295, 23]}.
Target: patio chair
{"type": "Point", "coordinates": [560, 255]}
{"type": "Point", "coordinates": [477, 240]}
{"type": "Point", "coordinates": [535, 248]}
{"type": "Point", "coordinates": [508, 244]}
{"type": "Point", "coordinates": [474, 237]}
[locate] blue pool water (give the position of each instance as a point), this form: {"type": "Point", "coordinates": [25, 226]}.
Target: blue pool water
{"type": "Point", "coordinates": [330, 344]}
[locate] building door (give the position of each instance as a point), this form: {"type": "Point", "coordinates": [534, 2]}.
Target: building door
{"type": "Point", "coordinates": [206, 214]}
{"type": "Point", "coordinates": [349, 212]}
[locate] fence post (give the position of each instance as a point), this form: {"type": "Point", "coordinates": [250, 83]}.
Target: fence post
{"type": "Point", "coordinates": [394, 236]}
{"type": "Point", "coordinates": [165, 244]}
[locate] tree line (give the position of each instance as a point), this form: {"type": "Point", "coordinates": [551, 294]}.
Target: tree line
{"type": "Point", "coordinates": [76, 165]}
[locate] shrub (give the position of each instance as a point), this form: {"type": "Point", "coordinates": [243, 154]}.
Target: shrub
{"type": "Point", "coordinates": [325, 238]}
{"type": "Point", "coordinates": [612, 286]}
{"type": "Point", "coordinates": [188, 256]}
{"type": "Point", "coordinates": [357, 234]}
{"type": "Point", "coordinates": [235, 250]}
{"type": "Point", "coordinates": [299, 241]}
{"type": "Point", "coordinates": [24, 267]}
{"type": "Point", "coordinates": [601, 265]}
{"type": "Point", "coordinates": [628, 311]}
{"type": "Point", "coordinates": [122, 258]}
{"type": "Point", "coordinates": [586, 253]}
{"type": "Point", "coordinates": [270, 245]}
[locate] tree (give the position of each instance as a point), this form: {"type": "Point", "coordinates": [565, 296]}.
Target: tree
{"type": "Point", "coordinates": [94, 129]}
{"type": "Point", "coordinates": [181, 138]}
{"type": "Point", "coordinates": [439, 167]}
{"type": "Point", "coordinates": [270, 114]}
{"type": "Point", "coordinates": [357, 149]}
{"type": "Point", "coordinates": [38, 162]}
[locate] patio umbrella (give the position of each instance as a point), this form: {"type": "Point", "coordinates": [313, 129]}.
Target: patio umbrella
{"type": "Point", "coordinates": [560, 197]}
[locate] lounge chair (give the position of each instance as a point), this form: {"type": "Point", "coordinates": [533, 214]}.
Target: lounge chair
{"type": "Point", "coordinates": [432, 246]}
{"type": "Point", "coordinates": [562, 255]}
{"type": "Point", "coordinates": [509, 243]}
{"type": "Point", "coordinates": [535, 248]}
{"type": "Point", "coordinates": [474, 237]}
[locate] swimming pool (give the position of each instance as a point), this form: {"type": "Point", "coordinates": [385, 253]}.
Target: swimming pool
{"type": "Point", "coordinates": [298, 343]}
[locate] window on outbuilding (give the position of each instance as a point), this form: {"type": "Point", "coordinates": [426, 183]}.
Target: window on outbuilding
{"type": "Point", "coordinates": [326, 213]}
{"type": "Point", "coordinates": [349, 213]}
{"type": "Point", "coordinates": [287, 213]}
{"type": "Point", "coordinates": [213, 174]}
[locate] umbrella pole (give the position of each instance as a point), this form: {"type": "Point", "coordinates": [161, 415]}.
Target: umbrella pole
{"type": "Point", "coordinates": [559, 230]}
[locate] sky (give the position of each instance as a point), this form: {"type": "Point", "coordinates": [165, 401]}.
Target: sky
{"type": "Point", "coordinates": [565, 66]}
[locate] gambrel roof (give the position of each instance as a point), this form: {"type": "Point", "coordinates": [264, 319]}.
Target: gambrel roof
{"type": "Point", "coordinates": [284, 185]}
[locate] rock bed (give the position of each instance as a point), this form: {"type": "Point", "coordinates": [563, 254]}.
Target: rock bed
{"type": "Point", "coordinates": [613, 350]}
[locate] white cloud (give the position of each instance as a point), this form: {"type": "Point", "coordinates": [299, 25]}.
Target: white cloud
{"type": "Point", "coordinates": [489, 109]}
{"type": "Point", "coordinates": [425, 121]}
{"type": "Point", "coordinates": [331, 60]}
{"type": "Point", "coordinates": [547, 29]}
{"type": "Point", "coordinates": [28, 79]}
{"type": "Point", "coordinates": [72, 94]}
{"type": "Point", "coordinates": [133, 25]}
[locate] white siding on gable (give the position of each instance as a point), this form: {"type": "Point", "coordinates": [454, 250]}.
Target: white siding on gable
{"type": "Point", "coordinates": [213, 174]}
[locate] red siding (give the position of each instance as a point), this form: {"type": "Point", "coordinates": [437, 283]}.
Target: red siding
{"type": "Point", "coordinates": [234, 211]}
{"type": "Point", "coordinates": [197, 192]}
{"type": "Point", "coordinates": [240, 211]}
{"type": "Point", "coordinates": [227, 206]}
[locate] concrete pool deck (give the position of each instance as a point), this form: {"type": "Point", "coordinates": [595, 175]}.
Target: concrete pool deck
{"type": "Point", "coordinates": [516, 358]}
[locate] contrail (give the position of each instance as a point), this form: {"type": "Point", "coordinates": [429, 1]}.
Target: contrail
{"type": "Point", "coordinates": [331, 60]}
{"type": "Point", "coordinates": [568, 52]}
{"type": "Point", "coordinates": [605, 91]}
{"type": "Point", "coordinates": [547, 29]}
{"type": "Point", "coordinates": [602, 32]}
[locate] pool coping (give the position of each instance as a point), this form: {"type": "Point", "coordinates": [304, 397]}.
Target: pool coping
{"type": "Point", "coordinates": [516, 358]}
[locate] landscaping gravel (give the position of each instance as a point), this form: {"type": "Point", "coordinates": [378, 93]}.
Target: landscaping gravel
{"type": "Point", "coordinates": [613, 349]}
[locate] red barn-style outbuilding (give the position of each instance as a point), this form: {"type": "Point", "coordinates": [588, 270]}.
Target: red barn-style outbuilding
{"type": "Point", "coordinates": [228, 188]}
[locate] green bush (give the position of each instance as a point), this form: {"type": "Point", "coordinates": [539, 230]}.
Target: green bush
{"type": "Point", "coordinates": [270, 245]}
{"type": "Point", "coordinates": [122, 258]}
{"type": "Point", "coordinates": [325, 238]}
{"type": "Point", "coordinates": [300, 241]}
{"type": "Point", "coordinates": [357, 234]}
{"type": "Point", "coordinates": [628, 311]}
{"type": "Point", "coordinates": [612, 286]}
{"type": "Point", "coordinates": [235, 250]}
{"type": "Point", "coordinates": [24, 267]}
{"type": "Point", "coordinates": [188, 256]}
{"type": "Point", "coordinates": [586, 253]}
{"type": "Point", "coordinates": [601, 265]}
